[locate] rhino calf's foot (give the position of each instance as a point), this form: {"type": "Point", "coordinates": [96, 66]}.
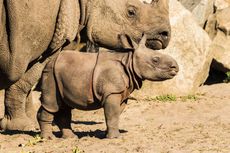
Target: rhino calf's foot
{"type": "Point", "coordinates": [63, 120]}
{"type": "Point", "coordinates": [21, 124]}
{"type": "Point", "coordinates": [68, 133]}
{"type": "Point", "coordinates": [45, 120]}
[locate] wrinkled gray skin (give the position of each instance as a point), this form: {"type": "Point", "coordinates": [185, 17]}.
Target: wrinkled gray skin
{"type": "Point", "coordinates": [30, 31]}
{"type": "Point", "coordinates": [89, 81]}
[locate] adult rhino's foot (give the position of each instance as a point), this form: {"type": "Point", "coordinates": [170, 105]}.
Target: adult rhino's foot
{"type": "Point", "coordinates": [113, 134]}
{"type": "Point", "coordinates": [21, 124]}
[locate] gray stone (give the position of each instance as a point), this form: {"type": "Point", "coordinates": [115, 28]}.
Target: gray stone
{"type": "Point", "coordinates": [221, 43]}
{"type": "Point", "coordinates": [221, 48]}
{"type": "Point", "coordinates": [201, 9]}
{"type": "Point", "coordinates": [190, 4]}
{"type": "Point", "coordinates": [223, 20]}
{"type": "Point", "coordinates": [221, 4]}
{"type": "Point", "coordinates": [210, 26]}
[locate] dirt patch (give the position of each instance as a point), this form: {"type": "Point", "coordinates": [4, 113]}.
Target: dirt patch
{"type": "Point", "coordinates": [181, 126]}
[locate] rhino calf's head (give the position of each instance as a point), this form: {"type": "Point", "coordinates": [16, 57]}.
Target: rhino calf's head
{"type": "Point", "coordinates": [153, 65]}
{"type": "Point", "coordinates": [112, 23]}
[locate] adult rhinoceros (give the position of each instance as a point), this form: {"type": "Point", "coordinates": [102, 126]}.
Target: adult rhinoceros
{"type": "Point", "coordinates": [32, 30]}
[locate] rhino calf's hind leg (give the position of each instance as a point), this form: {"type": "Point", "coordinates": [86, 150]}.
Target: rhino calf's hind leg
{"type": "Point", "coordinates": [63, 120]}
{"type": "Point", "coordinates": [45, 120]}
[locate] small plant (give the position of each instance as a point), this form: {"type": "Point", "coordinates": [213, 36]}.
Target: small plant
{"type": "Point", "coordinates": [36, 139]}
{"type": "Point", "coordinates": [76, 150]}
{"type": "Point", "coordinates": [150, 98]}
{"type": "Point", "coordinates": [165, 98]}
{"type": "Point", "coordinates": [189, 97]}
{"type": "Point", "coordinates": [227, 79]}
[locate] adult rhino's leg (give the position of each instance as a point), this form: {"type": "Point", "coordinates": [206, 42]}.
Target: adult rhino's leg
{"type": "Point", "coordinates": [15, 100]}
{"type": "Point", "coordinates": [32, 108]}
{"type": "Point", "coordinates": [23, 37]}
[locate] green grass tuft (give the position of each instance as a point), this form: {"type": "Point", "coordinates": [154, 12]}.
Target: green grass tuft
{"type": "Point", "coordinates": [166, 98]}
{"type": "Point", "coordinates": [77, 150]}
{"type": "Point", "coordinates": [36, 139]}
{"type": "Point", "coordinates": [189, 97]}
{"type": "Point", "coordinates": [227, 79]}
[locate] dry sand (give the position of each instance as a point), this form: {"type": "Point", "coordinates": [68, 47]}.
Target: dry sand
{"type": "Point", "coordinates": [148, 126]}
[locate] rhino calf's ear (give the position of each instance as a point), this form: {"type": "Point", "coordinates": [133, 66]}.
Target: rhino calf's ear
{"type": "Point", "coordinates": [143, 41]}
{"type": "Point", "coordinates": [134, 44]}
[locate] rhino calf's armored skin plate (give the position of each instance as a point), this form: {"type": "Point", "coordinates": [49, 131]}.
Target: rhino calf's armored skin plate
{"type": "Point", "coordinates": [31, 31]}
{"type": "Point", "coordinates": [90, 81]}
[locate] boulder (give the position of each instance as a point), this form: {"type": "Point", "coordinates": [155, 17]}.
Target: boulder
{"type": "Point", "coordinates": [189, 45]}
{"type": "Point", "coordinates": [221, 4]}
{"type": "Point", "coordinates": [210, 26]}
{"type": "Point", "coordinates": [201, 9]}
{"type": "Point", "coordinates": [223, 20]}
{"type": "Point", "coordinates": [221, 42]}
{"type": "Point", "coordinates": [190, 4]}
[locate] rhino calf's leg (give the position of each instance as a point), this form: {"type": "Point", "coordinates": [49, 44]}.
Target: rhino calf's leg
{"type": "Point", "coordinates": [112, 111]}
{"type": "Point", "coordinates": [45, 120]}
{"type": "Point", "coordinates": [63, 120]}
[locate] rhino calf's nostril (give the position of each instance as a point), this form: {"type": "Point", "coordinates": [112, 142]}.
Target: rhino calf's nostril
{"type": "Point", "coordinates": [174, 67]}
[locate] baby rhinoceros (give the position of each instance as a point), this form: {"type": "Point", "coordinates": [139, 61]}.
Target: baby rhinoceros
{"type": "Point", "coordinates": [90, 81]}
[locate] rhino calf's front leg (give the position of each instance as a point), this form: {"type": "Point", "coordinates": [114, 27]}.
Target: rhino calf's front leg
{"type": "Point", "coordinates": [112, 112]}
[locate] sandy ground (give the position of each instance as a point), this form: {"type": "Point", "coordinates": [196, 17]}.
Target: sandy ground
{"type": "Point", "coordinates": [148, 126]}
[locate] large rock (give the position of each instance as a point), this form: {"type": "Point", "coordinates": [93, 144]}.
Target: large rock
{"type": "Point", "coordinates": [223, 20]}
{"type": "Point", "coordinates": [190, 4]}
{"type": "Point", "coordinates": [210, 26]}
{"type": "Point", "coordinates": [221, 43]}
{"type": "Point", "coordinates": [220, 19]}
{"type": "Point", "coordinates": [201, 9]}
{"type": "Point", "coordinates": [221, 4]}
{"type": "Point", "coordinates": [189, 45]}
